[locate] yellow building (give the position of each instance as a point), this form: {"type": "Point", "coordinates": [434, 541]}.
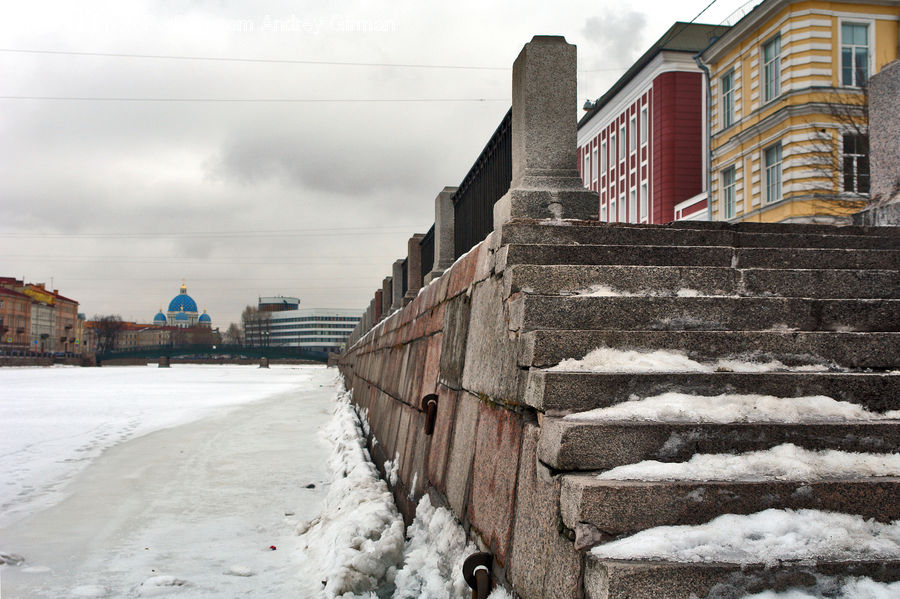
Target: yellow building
{"type": "Point", "coordinates": [788, 134]}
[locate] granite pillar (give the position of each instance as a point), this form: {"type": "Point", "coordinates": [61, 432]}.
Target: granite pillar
{"type": "Point", "coordinates": [378, 306]}
{"type": "Point", "coordinates": [545, 181]}
{"type": "Point", "coordinates": [413, 267]}
{"type": "Point", "coordinates": [444, 250]}
{"type": "Point", "coordinates": [397, 290]}
{"type": "Point", "coordinates": [884, 150]}
{"type": "Point", "coordinates": [387, 295]}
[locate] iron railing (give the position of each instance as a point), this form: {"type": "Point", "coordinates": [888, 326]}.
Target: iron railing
{"type": "Point", "coordinates": [427, 245]}
{"type": "Point", "coordinates": [485, 183]}
{"type": "Point", "coordinates": [405, 276]}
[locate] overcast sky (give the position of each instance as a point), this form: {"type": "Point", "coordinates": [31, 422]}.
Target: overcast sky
{"type": "Point", "coordinates": [117, 201]}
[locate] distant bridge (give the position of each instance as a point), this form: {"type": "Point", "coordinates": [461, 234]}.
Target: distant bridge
{"type": "Point", "coordinates": [214, 352]}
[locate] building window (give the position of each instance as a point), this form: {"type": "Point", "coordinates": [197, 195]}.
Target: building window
{"type": "Point", "coordinates": [772, 68]}
{"type": "Point", "coordinates": [645, 203]}
{"type": "Point", "coordinates": [644, 125]}
{"type": "Point", "coordinates": [727, 100]}
{"type": "Point", "coordinates": [622, 142]}
{"type": "Point", "coordinates": [772, 161]}
{"type": "Point", "coordinates": [602, 211]}
{"type": "Point", "coordinates": [612, 209]}
{"type": "Point", "coordinates": [632, 206]}
{"type": "Point", "coordinates": [586, 169]}
{"type": "Point", "coordinates": [728, 193]}
{"type": "Point", "coordinates": [621, 218]}
{"type": "Point", "coordinates": [856, 163]}
{"type": "Point", "coordinates": [603, 157]}
{"type": "Point", "coordinates": [854, 54]}
{"type": "Point", "coordinates": [594, 164]}
{"type": "Point", "coordinates": [614, 149]}
{"type": "Point", "coordinates": [632, 134]}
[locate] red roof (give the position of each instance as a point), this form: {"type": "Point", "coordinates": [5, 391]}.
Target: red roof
{"type": "Point", "coordinates": [6, 291]}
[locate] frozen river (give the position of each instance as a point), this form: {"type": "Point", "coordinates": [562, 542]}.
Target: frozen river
{"type": "Point", "coordinates": [138, 481]}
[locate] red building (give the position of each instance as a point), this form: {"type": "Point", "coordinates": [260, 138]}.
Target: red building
{"type": "Point", "coordinates": [642, 145]}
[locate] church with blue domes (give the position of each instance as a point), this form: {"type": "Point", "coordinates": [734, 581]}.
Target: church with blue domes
{"type": "Point", "coordinates": [182, 312]}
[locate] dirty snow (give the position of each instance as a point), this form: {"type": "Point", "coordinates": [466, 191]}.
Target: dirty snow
{"type": "Point", "coordinates": [684, 407]}
{"type": "Point", "coordinates": [356, 542]}
{"type": "Point", "coordinates": [769, 537]}
{"type": "Point", "coordinates": [784, 462]}
{"type": "Point", "coordinates": [605, 359]}
{"type": "Point", "coordinates": [829, 588]}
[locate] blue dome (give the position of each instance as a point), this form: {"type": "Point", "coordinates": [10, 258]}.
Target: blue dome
{"type": "Point", "coordinates": [181, 316]}
{"type": "Point", "coordinates": [182, 301]}
{"type": "Point", "coordinates": [205, 318]}
{"type": "Point", "coordinates": [159, 318]}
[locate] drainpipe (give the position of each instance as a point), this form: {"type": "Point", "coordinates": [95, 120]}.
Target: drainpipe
{"type": "Point", "coordinates": [708, 126]}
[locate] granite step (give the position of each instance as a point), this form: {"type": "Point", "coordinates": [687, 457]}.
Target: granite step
{"type": "Point", "coordinates": [544, 348]}
{"type": "Point", "coordinates": [623, 507]}
{"type": "Point", "coordinates": [618, 234]}
{"type": "Point", "coordinates": [570, 445]}
{"type": "Point", "coordinates": [705, 313]}
{"type": "Point", "coordinates": [567, 279]}
{"type": "Point", "coordinates": [557, 392]}
{"type": "Point", "coordinates": [636, 579]}
{"type": "Point", "coordinates": [665, 255]}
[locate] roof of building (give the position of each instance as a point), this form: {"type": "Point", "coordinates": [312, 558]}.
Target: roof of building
{"type": "Point", "coordinates": [160, 317]}
{"type": "Point", "coordinates": [182, 301]}
{"type": "Point", "coordinates": [13, 292]}
{"type": "Point", "coordinates": [681, 37]}
{"type": "Point", "coordinates": [204, 317]}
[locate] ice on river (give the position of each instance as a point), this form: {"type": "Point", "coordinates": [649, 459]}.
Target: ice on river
{"type": "Point", "coordinates": [137, 481]}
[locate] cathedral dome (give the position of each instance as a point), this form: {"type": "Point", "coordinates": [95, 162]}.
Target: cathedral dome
{"type": "Point", "coordinates": [204, 318]}
{"type": "Point", "coordinates": [182, 302]}
{"type": "Point", "coordinates": [160, 318]}
{"type": "Point", "coordinates": [181, 316]}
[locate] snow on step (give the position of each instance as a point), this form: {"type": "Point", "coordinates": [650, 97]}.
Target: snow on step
{"type": "Point", "coordinates": [607, 359]}
{"type": "Point", "coordinates": [768, 537]}
{"type": "Point", "coordinates": [784, 462]}
{"type": "Point", "coordinates": [827, 587]}
{"type": "Point", "coordinates": [728, 408]}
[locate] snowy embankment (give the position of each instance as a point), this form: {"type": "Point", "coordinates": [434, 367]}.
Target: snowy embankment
{"type": "Point", "coordinates": [357, 547]}
{"type": "Point", "coordinates": [56, 421]}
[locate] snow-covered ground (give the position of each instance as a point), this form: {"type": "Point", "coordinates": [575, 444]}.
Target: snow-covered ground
{"type": "Point", "coordinates": [139, 481]}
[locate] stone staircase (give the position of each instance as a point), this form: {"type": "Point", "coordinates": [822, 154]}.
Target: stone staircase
{"type": "Point", "coordinates": [801, 295]}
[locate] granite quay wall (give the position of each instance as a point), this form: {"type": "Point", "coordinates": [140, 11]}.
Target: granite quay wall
{"type": "Point", "coordinates": [456, 340]}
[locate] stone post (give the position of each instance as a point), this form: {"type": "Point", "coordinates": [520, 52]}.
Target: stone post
{"type": "Point", "coordinates": [884, 131]}
{"type": "Point", "coordinates": [397, 290]}
{"type": "Point", "coordinates": [545, 181]}
{"type": "Point", "coordinates": [378, 306]}
{"type": "Point", "coordinates": [444, 250]}
{"type": "Point", "coordinates": [387, 293]}
{"type": "Point", "coordinates": [370, 315]}
{"type": "Point", "coordinates": [413, 267]}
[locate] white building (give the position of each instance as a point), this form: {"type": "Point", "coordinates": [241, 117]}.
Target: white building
{"type": "Point", "coordinates": [281, 322]}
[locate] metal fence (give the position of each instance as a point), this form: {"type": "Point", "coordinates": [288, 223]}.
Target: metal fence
{"type": "Point", "coordinates": [405, 276]}
{"type": "Point", "coordinates": [485, 183]}
{"type": "Point", "coordinates": [427, 245]}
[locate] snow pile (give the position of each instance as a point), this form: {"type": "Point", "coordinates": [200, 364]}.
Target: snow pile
{"type": "Point", "coordinates": [434, 555]}
{"type": "Point", "coordinates": [852, 588]}
{"type": "Point", "coordinates": [606, 359]}
{"type": "Point", "coordinates": [769, 537]}
{"type": "Point", "coordinates": [356, 542]}
{"type": "Point", "coordinates": [683, 407]}
{"type": "Point", "coordinates": [603, 290]}
{"type": "Point", "coordinates": [784, 462]}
